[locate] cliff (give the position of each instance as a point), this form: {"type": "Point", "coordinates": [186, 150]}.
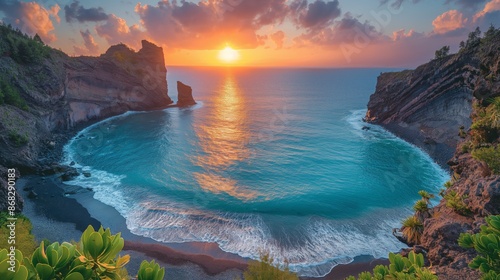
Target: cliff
{"type": "Point", "coordinates": [44, 94]}
{"type": "Point", "coordinates": [428, 106]}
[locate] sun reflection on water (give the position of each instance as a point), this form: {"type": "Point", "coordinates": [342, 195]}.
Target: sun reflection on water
{"type": "Point", "coordinates": [224, 139]}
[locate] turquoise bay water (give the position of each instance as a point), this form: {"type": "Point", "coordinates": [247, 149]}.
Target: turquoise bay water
{"type": "Point", "coordinates": [270, 159]}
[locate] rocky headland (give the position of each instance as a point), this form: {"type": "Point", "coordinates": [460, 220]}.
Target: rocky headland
{"type": "Point", "coordinates": [52, 95]}
{"type": "Point", "coordinates": [433, 107]}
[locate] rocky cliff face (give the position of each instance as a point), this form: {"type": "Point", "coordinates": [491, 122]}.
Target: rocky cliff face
{"type": "Point", "coordinates": [427, 107]}
{"type": "Point", "coordinates": [63, 92]}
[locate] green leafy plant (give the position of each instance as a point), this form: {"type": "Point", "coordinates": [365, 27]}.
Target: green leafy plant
{"type": "Point", "coordinates": [456, 202]}
{"type": "Point", "coordinates": [490, 156]}
{"type": "Point", "coordinates": [20, 272]}
{"type": "Point", "coordinates": [150, 271]}
{"type": "Point", "coordinates": [408, 268]}
{"type": "Point", "coordinates": [422, 210]}
{"type": "Point", "coordinates": [95, 257]}
{"type": "Point", "coordinates": [426, 197]}
{"type": "Point", "coordinates": [266, 269]}
{"type": "Point", "coordinates": [99, 252]}
{"type": "Point", "coordinates": [487, 245]}
{"type": "Point", "coordinates": [412, 229]}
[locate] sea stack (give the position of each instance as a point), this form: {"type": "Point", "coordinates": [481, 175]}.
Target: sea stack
{"type": "Point", "coordinates": [185, 95]}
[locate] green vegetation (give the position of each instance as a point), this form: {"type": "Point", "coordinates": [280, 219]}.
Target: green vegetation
{"type": "Point", "coordinates": [442, 52]}
{"type": "Point", "coordinates": [21, 47]}
{"type": "Point", "coordinates": [94, 257]}
{"type": "Point", "coordinates": [25, 241]}
{"type": "Point", "coordinates": [150, 271]}
{"type": "Point", "coordinates": [9, 95]}
{"type": "Point", "coordinates": [426, 197]}
{"type": "Point", "coordinates": [265, 269]}
{"type": "Point", "coordinates": [412, 229]}
{"type": "Point", "coordinates": [490, 156]}
{"type": "Point", "coordinates": [400, 267]}
{"type": "Point", "coordinates": [456, 202]}
{"type": "Point", "coordinates": [487, 245]}
{"type": "Point", "coordinates": [17, 139]}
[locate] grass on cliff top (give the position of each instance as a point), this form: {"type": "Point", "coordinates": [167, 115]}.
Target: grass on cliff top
{"type": "Point", "coordinates": [25, 241]}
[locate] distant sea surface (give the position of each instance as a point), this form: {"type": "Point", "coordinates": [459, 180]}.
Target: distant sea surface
{"type": "Point", "coordinates": [269, 160]}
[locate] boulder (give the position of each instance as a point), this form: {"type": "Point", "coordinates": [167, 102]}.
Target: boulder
{"type": "Point", "coordinates": [185, 95]}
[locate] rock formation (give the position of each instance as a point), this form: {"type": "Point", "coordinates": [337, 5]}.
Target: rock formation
{"type": "Point", "coordinates": [185, 95]}
{"type": "Point", "coordinates": [427, 107]}
{"type": "Point", "coordinates": [64, 92]}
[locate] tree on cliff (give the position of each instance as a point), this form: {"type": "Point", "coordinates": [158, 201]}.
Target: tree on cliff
{"type": "Point", "coordinates": [442, 52]}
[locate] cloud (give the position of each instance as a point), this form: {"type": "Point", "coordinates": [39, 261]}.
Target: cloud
{"type": "Point", "coordinates": [210, 24]}
{"type": "Point", "coordinates": [402, 35]}
{"type": "Point", "coordinates": [449, 21]}
{"type": "Point", "coordinates": [115, 30]}
{"type": "Point", "coordinates": [397, 3]}
{"type": "Point", "coordinates": [466, 4]}
{"type": "Point", "coordinates": [31, 17]}
{"type": "Point", "coordinates": [348, 30]}
{"type": "Point", "coordinates": [91, 47]}
{"type": "Point", "coordinates": [490, 7]}
{"type": "Point", "coordinates": [318, 14]}
{"type": "Point", "coordinates": [76, 12]}
{"type": "Point", "coordinates": [278, 38]}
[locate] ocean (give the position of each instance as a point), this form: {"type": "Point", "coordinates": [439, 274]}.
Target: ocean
{"type": "Point", "coordinates": [269, 160]}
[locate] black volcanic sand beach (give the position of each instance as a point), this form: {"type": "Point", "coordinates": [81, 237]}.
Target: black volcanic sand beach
{"type": "Point", "coordinates": [61, 212]}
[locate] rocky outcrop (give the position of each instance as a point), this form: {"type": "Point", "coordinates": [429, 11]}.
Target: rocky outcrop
{"type": "Point", "coordinates": [427, 106]}
{"type": "Point", "coordinates": [120, 80]}
{"type": "Point", "coordinates": [63, 93]}
{"type": "Point", "coordinates": [185, 95]}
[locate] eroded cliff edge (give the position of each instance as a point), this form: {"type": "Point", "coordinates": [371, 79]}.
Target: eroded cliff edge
{"type": "Point", "coordinates": [44, 94]}
{"type": "Point", "coordinates": [427, 107]}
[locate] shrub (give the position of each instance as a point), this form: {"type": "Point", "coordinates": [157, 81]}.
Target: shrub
{"type": "Point", "coordinates": [412, 229]}
{"type": "Point", "coordinates": [422, 210]}
{"type": "Point", "coordinates": [25, 241]}
{"type": "Point", "coordinates": [95, 257]}
{"type": "Point", "coordinates": [442, 52]}
{"type": "Point", "coordinates": [400, 267]}
{"type": "Point", "coordinates": [490, 156]}
{"type": "Point", "coordinates": [266, 269]}
{"type": "Point", "coordinates": [487, 245]}
{"type": "Point", "coordinates": [17, 139]}
{"type": "Point", "coordinates": [456, 202]}
{"type": "Point", "coordinates": [11, 96]}
{"type": "Point", "coordinates": [150, 271]}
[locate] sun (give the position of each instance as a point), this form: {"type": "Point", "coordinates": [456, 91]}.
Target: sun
{"type": "Point", "coordinates": [229, 55]}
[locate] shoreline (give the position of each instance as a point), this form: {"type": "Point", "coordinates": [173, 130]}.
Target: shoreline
{"type": "Point", "coordinates": [206, 260]}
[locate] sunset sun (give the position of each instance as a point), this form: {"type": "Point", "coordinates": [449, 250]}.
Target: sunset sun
{"type": "Point", "coordinates": [229, 55]}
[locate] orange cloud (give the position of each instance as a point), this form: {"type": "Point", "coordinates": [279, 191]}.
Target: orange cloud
{"type": "Point", "coordinates": [490, 7]}
{"type": "Point", "coordinates": [115, 30]}
{"type": "Point", "coordinates": [91, 47]}
{"type": "Point", "coordinates": [401, 34]}
{"type": "Point", "coordinates": [449, 21]}
{"type": "Point", "coordinates": [32, 18]}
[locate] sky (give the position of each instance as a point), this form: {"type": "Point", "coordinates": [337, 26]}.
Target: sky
{"type": "Point", "coordinates": [265, 33]}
